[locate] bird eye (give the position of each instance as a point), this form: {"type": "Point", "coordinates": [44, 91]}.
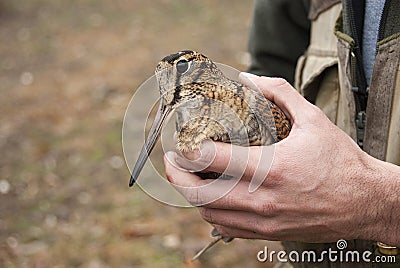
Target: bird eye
{"type": "Point", "coordinates": [182, 66]}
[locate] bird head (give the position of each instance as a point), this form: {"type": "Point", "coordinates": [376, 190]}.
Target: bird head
{"type": "Point", "coordinates": [176, 74]}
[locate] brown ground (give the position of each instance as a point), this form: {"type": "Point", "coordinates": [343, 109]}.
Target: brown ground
{"type": "Point", "coordinates": [67, 72]}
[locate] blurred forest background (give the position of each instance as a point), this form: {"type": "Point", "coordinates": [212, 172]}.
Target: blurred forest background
{"type": "Point", "coordinates": [68, 70]}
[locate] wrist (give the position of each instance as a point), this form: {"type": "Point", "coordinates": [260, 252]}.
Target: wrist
{"type": "Point", "coordinates": [381, 205]}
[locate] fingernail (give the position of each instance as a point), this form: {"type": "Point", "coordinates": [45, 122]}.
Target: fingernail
{"type": "Point", "coordinates": [248, 75]}
{"type": "Point", "coordinates": [207, 151]}
{"type": "Point", "coordinates": [192, 155]}
{"type": "Point", "coordinates": [203, 154]}
{"type": "Point", "coordinates": [198, 159]}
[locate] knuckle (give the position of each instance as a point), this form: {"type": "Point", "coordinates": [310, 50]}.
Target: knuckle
{"type": "Point", "coordinates": [206, 214]}
{"type": "Point", "coordinates": [281, 82]}
{"type": "Point", "coordinates": [314, 112]}
{"type": "Point", "coordinates": [271, 231]}
{"type": "Point", "coordinates": [267, 208]}
{"type": "Point", "coordinates": [193, 196]}
{"type": "Point", "coordinates": [283, 86]}
{"type": "Point", "coordinates": [265, 228]}
{"type": "Point", "coordinates": [231, 201]}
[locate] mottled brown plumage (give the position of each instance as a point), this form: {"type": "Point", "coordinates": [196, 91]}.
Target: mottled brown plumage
{"type": "Point", "coordinates": [208, 105]}
{"type": "Point", "coordinates": [224, 110]}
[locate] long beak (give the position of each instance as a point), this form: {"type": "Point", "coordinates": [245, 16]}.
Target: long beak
{"type": "Point", "coordinates": [151, 140]}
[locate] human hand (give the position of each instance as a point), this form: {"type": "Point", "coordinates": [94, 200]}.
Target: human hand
{"type": "Point", "coordinates": [315, 190]}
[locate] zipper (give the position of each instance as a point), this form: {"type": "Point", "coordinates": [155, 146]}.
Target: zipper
{"type": "Point", "coordinates": [390, 21]}
{"type": "Point", "coordinates": [381, 31]}
{"type": "Point", "coordinates": [360, 84]}
{"type": "Point", "coordinates": [358, 79]}
{"type": "Point", "coordinates": [359, 100]}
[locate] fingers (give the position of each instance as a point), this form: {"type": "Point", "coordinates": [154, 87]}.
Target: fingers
{"type": "Point", "coordinates": [230, 194]}
{"type": "Point", "coordinates": [209, 160]}
{"type": "Point", "coordinates": [240, 224]}
{"type": "Point", "coordinates": [280, 92]}
{"type": "Point", "coordinates": [238, 233]}
{"type": "Point", "coordinates": [198, 192]}
{"type": "Point", "coordinates": [180, 176]}
{"type": "Point", "coordinates": [250, 163]}
{"type": "Point", "coordinates": [260, 203]}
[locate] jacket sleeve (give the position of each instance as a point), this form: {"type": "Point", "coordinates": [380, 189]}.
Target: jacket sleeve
{"type": "Point", "coordinates": [279, 35]}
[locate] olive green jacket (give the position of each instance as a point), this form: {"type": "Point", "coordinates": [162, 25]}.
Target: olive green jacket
{"type": "Point", "coordinates": [304, 42]}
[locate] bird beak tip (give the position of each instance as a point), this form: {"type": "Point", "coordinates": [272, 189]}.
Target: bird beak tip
{"type": "Point", "coordinates": [150, 142]}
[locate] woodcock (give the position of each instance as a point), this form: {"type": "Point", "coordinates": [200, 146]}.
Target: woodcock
{"type": "Point", "coordinates": [208, 105]}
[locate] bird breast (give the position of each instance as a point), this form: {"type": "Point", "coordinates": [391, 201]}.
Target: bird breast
{"type": "Point", "coordinates": [222, 115]}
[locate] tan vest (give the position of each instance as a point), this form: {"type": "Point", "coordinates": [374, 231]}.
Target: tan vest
{"type": "Point", "coordinates": [323, 77]}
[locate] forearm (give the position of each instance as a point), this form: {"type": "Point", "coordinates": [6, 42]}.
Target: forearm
{"type": "Point", "coordinates": [384, 200]}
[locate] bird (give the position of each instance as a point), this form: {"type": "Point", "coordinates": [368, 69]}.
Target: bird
{"type": "Point", "coordinates": [209, 105]}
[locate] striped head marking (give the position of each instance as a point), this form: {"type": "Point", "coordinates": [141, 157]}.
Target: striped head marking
{"type": "Point", "coordinates": [183, 68]}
